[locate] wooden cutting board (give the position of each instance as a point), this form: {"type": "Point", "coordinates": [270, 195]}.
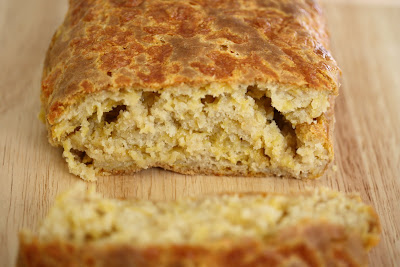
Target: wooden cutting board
{"type": "Point", "coordinates": [366, 43]}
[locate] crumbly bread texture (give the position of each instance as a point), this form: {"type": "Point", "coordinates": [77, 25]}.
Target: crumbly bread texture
{"type": "Point", "coordinates": [228, 87]}
{"type": "Point", "coordinates": [312, 228]}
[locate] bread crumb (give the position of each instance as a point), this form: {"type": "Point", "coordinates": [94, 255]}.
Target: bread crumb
{"type": "Point", "coordinates": [335, 168]}
{"type": "Point", "coordinates": [217, 129]}
{"type": "Point", "coordinates": [79, 215]}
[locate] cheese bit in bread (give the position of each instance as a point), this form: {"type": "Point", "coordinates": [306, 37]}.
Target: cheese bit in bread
{"type": "Point", "coordinates": [223, 87]}
{"type": "Point", "coordinates": [319, 228]}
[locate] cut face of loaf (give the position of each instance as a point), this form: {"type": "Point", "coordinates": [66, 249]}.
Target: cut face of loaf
{"type": "Point", "coordinates": [216, 130]}
{"type": "Point", "coordinates": [126, 88]}
{"type": "Point", "coordinates": [319, 228]}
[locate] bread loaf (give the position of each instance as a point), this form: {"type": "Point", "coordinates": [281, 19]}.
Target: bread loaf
{"type": "Point", "coordinates": [227, 87]}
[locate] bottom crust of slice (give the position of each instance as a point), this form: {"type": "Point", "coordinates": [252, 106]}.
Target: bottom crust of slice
{"type": "Point", "coordinates": [311, 244]}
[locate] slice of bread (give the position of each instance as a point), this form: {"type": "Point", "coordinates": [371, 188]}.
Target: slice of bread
{"type": "Point", "coordinates": [226, 88]}
{"type": "Point", "coordinates": [312, 228]}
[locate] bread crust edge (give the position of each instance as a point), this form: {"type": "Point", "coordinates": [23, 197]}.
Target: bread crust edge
{"type": "Point", "coordinates": [313, 243]}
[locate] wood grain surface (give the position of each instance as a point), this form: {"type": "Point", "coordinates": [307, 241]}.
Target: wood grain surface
{"type": "Point", "coordinates": [366, 43]}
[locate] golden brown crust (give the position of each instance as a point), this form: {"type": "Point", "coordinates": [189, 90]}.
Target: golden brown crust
{"type": "Point", "coordinates": [154, 44]}
{"type": "Point", "coordinates": [313, 244]}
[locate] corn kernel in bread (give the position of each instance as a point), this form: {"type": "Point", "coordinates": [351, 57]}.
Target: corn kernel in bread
{"type": "Point", "coordinates": [321, 227]}
{"type": "Point", "coordinates": [227, 88]}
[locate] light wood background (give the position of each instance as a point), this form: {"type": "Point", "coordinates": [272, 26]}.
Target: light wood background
{"type": "Point", "coordinates": [366, 43]}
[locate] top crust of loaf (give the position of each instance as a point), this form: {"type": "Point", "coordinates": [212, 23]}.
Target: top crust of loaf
{"type": "Point", "coordinates": [156, 44]}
